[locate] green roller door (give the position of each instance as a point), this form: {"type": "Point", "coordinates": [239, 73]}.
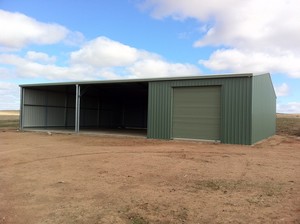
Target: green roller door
{"type": "Point", "coordinates": [196, 112]}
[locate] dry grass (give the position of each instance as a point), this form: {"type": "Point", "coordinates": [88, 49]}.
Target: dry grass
{"type": "Point", "coordinates": [9, 119]}
{"type": "Point", "coordinates": [9, 113]}
{"type": "Point", "coordinates": [288, 124]}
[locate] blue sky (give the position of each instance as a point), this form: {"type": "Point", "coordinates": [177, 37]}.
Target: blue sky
{"type": "Point", "coordinates": [60, 40]}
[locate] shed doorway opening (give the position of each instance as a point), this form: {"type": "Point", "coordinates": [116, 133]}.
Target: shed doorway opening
{"type": "Point", "coordinates": [119, 108]}
{"type": "Point", "coordinates": [108, 108]}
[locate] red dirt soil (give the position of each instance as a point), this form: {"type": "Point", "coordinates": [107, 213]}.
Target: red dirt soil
{"type": "Point", "coordinates": [61, 178]}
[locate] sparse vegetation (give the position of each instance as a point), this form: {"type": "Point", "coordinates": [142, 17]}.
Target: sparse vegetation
{"type": "Point", "coordinates": [137, 219]}
{"type": "Point", "coordinates": [9, 124]}
{"type": "Point", "coordinates": [9, 119]}
{"type": "Point", "coordinates": [288, 124]}
{"type": "Point", "coordinates": [226, 186]}
{"type": "Point", "coordinates": [222, 185]}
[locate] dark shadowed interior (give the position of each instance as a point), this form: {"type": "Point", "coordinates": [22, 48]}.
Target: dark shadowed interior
{"type": "Point", "coordinates": [117, 107]}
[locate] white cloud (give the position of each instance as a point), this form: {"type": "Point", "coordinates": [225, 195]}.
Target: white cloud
{"type": "Point", "coordinates": [25, 68]}
{"type": "Point", "coordinates": [253, 34]}
{"type": "Point", "coordinates": [160, 68]}
{"type": "Point", "coordinates": [5, 73]}
{"type": "Point", "coordinates": [291, 108]}
{"type": "Point", "coordinates": [108, 74]}
{"type": "Point", "coordinates": [19, 30]}
{"type": "Point", "coordinates": [241, 61]}
{"type": "Point", "coordinates": [103, 52]}
{"type": "Point", "coordinates": [40, 57]}
{"type": "Point", "coordinates": [74, 38]}
{"type": "Point", "coordinates": [10, 96]}
{"type": "Point", "coordinates": [282, 90]}
{"type": "Point", "coordinates": [101, 58]}
{"type": "Point", "coordinates": [255, 24]}
{"type": "Point", "coordinates": [237, 22]}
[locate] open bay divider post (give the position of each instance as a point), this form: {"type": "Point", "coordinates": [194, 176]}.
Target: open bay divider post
{"type": "Point", "coordinates": [77, 109]}
{"type": "Point", "coordinates": [21, 108]}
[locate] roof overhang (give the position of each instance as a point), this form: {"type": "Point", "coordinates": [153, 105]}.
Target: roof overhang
{"type": "Point", "coordinates": [213, 76]}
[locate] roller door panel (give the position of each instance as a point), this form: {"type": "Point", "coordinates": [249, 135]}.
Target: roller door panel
{"type": "Point", "coordinates": [196, 112]}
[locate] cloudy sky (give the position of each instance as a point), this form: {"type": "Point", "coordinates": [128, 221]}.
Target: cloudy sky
{"type": "Point", "coordinates": [62, 40]}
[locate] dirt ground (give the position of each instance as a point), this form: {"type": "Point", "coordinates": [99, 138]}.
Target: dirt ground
{"type": "Point", "coordinates": [61, 178]}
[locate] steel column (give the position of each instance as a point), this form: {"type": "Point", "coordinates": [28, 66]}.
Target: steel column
{"type": "Point", "coordinates": [77, 109]}
{"type": "Point", "coordinates": [21, 108]}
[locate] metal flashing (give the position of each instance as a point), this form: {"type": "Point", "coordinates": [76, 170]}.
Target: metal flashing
{"type": "Point", "coordinates": [159, 79]}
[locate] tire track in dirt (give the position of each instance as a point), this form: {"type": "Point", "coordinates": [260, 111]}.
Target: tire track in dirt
{"type": "Point", "coordinates": [109, 152]}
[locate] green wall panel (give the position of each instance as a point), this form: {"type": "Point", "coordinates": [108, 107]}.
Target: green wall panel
{"type": "Point", "coordinates": [263, 108]}
{"type": "Point", "coordinates": [159, 110]}
{"type": "Point", "coordinates": [235, 107]}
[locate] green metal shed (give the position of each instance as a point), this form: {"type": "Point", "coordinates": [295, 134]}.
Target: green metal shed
{"type": "Point", "coordinates": [232, 108]}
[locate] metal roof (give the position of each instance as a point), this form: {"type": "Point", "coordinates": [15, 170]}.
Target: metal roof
{"type": "Point", "coordinates": [212, 76]}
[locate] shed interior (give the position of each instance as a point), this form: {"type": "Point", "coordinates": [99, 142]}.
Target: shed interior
{"type": "Point", "coordinates": [113, 107]}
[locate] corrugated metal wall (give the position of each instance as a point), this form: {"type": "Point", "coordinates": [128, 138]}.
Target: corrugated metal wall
{"type": "Point", "coordinates": [263, 108]}
{"type": "Point", "coordinates": [159, 110]}
{"type": "Point", "coordinates": [34, 108]}
{"type": "Point", "coordinates": [42, 108]}
{"type": "Point", "coordinates": [235, 107]}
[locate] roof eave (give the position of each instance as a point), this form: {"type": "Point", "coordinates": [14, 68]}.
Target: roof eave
{"type": "Point", "coordinates": [212, 76]}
